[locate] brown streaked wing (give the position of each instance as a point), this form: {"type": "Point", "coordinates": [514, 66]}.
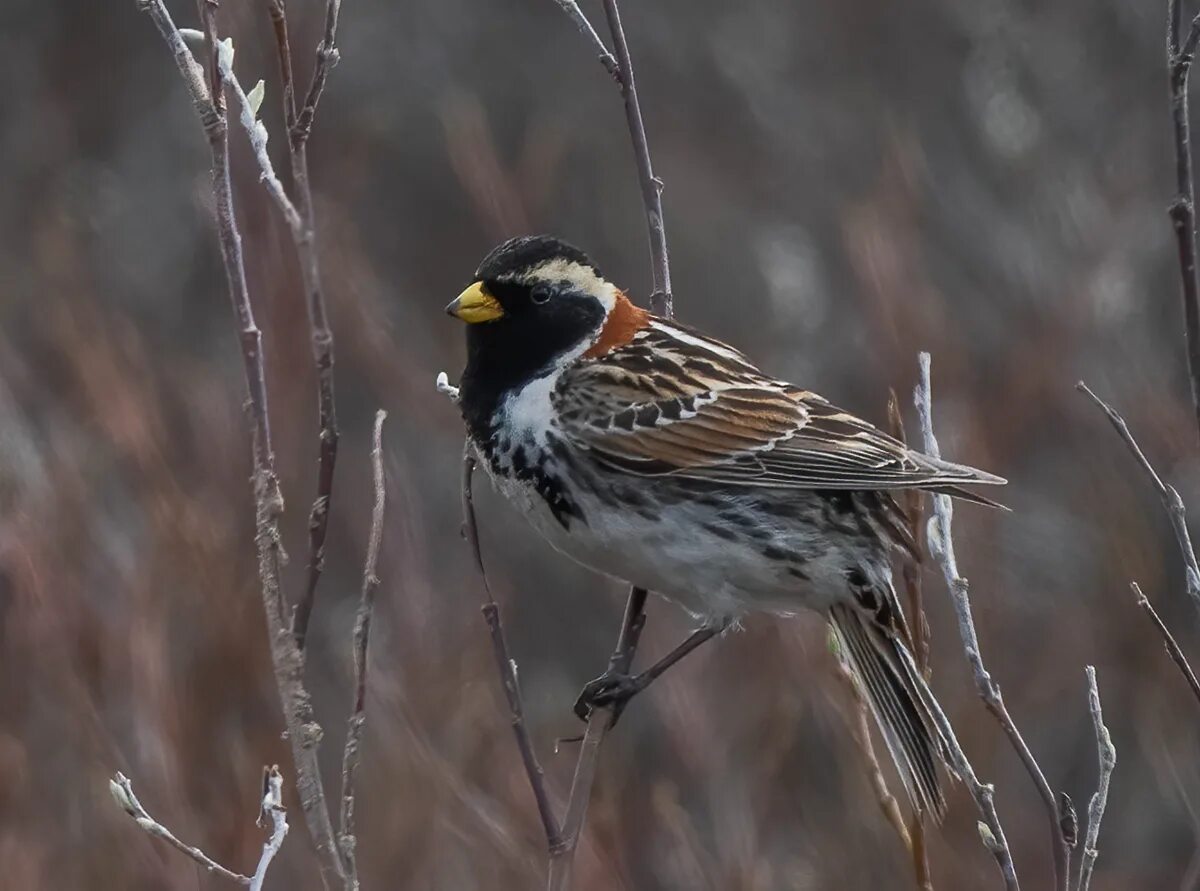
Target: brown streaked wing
{"type": "Point", "coordinates": [675, 402]}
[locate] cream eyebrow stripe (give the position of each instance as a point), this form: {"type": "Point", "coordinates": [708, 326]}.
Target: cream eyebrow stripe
{"type": "Point", "coordinates": [582, 277]}
{"type": "Point", "coordinates": [706, 345]}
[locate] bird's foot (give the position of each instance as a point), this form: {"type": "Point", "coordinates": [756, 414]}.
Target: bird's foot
{"type": "Point", "coordinates": [613, 689]}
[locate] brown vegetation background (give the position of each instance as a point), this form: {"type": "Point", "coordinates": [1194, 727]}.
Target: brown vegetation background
{"type": "Point", "coordinates": [847, 183]}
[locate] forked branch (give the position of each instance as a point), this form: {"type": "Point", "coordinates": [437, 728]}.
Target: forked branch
{"type": "Point", "coordinates": [303, 229]}
{"type": "Point", "coordinates": [271, 808]}
{"type": "Point", "coordinates": [1172, 503]}
{"type": "Point", "coordinates": [206, 84]}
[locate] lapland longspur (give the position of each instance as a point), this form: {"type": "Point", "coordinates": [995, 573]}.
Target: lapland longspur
{"type": "Point", "coordinates": [650, 452]}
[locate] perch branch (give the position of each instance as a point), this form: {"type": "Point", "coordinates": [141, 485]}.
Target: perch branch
{"type": "Point", "coordinates": [347, 839]}
{"type": "Point", "coordinates": [1169, 642]}
{"type": "Point", "coordinates": [1183, 206]}
{"type": "Point", "coordinates": [303, 228]}
{"type": "Point", "coordinates": [1108, 761]}
{"type": "Point", "coordinates": [1170, 498]}
{"type": "Point", "coordinates": [303, 732]}
{"type": "Point", "coordinates": [941, 547]}
{"type": "Point", "coordinates": [661, 302]}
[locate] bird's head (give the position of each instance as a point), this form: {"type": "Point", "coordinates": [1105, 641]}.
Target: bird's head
{"type": "Point", "coordinates": [537, 303]}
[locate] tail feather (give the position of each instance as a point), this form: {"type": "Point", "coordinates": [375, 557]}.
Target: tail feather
{"type": "Point", "coordinates": [898, 698]}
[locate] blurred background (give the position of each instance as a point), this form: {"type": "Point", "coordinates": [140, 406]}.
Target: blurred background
{"type": "Point", "coordinates": [846, 184]}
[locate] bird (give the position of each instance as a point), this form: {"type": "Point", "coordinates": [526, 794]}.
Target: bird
{"type": "Point", "coordinates": [655, 454]}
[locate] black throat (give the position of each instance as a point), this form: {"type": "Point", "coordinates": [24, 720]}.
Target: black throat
{"type": "Point", "coordinates": [505, 355]}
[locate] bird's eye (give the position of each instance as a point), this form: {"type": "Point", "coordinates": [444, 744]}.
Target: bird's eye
{"type": "Point", "coordinates": [540, 294]}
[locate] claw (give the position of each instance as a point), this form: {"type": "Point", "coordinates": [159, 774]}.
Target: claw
{"type": "Point", "coordinates": [610, 689]}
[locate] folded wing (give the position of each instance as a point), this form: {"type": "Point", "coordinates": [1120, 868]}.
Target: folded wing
{"type": "Point", "coordinates": [674, 402]}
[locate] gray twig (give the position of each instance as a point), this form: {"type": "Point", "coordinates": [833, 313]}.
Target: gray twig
{"type": "Point", "coordinates": [303, 732]}
{"type": "Point", "coordinates": [1108, 761]}
{"type": "Point", "coordinates": [122, 792]}
{"type": "Point", "coordinates": [507, 666]}
{"type": "Point", "coordinates": [1170, 498]}
{"type": "Point", "coordinates": [1169, 642]}
{"type": "Point", "coordinates": [1183, 207]}
{"type": "Point", "coordinates": [303, 228]}
{"type": "Point", "coordinates": [347, 839]}
{"type": "Point", "coordinates": [272, 806]}
{"type": "Point", "coordinates": [571, 8]}
{"type": "Point", "coordinates": [941, 547]}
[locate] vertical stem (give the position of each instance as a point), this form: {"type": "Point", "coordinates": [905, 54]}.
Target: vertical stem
{"type": "Point", "coordinates": [304, 237]}
{"type": "Point", "coordinates": [1183, 207]}
{"type": "Point", "coordinates": [661, 301]}
{"type": "Point", "coordinates": [347, 831]}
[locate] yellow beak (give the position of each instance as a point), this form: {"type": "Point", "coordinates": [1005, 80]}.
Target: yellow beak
{"type": "Point", "coordinates": [475, 305]}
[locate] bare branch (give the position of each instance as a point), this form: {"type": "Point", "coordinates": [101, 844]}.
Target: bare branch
{"type": "Point", "coordinates": [1108, 761]}
{"type": "Point", "coordinates": [661, 300]}
{"type": "Point", "coordinates": [1172, 647]}
{"type": "Point", "coordinates": [303, 732]}
{"type": "Point", "coordinates": [941, 547]}
{"type": "Point", "coordinates": [1182, 209]}
{"type": "Point", "coordinates": [256, 132]}
{"type": "Point", "coordinates": [303, 228]}
{"type": "Point", "coordinates": [122, 792]}
{"type": "Point", "coordinates": [571, 8]}
{"type": "Point", "coordinates": [1170, 498]}
{"type": "Point", "coordinates": [507, 666]}
{"type": "Point", "coordinates": [327, 57]}
{"type": "Point", "coordinates": [562, 863]}
{"type": "Point", "coordinates": [347, 838]}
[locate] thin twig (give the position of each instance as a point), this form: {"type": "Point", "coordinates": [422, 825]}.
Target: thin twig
{"type": "Point", "coordinates": [1170, 498]}
{"type": "Point", "coordinates": [562, 862]}
{"type": "Point", "coordinates": [860, 731]}
{"type": "Point", "coordinates": [661, 301]}
{"type": "Point", "coordinates": [303, 732]}
{"type": "Point", "coordinates": [1183, 207]}
{"type": "Point", "coordinates": [1108, 761]}
{"type": "Point", "coordinates": [303, 230]}
{"type": "Point", "coordinates": [1169, 641]}
{"type": "Point", "coordinates": [122, 792]}
{"type": "Point", "coordinates": [941, 547]}
{"type": "Point", "coordinates": [327, 57]}
{"type": "Point", "coordinates": [507, 666]}
{"type": "Point", "coordinates": [347, 838]}
{"type": "Point", "coordinates": [272, 808]}
{"type": "Point", "coordinates": [571, 8]}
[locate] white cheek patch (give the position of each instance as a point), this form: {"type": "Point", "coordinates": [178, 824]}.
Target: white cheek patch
{"type": "Point", "coordinates": [529, 412]}
{"type": "Point", "coordinates": [582, 278]}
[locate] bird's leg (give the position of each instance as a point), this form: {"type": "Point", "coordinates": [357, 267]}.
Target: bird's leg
{"type": "Point", "coordinates": [615, 689]}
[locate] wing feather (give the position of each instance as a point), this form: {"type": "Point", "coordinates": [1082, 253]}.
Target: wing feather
{"type": "Point", "coordinates": [672, 401]}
